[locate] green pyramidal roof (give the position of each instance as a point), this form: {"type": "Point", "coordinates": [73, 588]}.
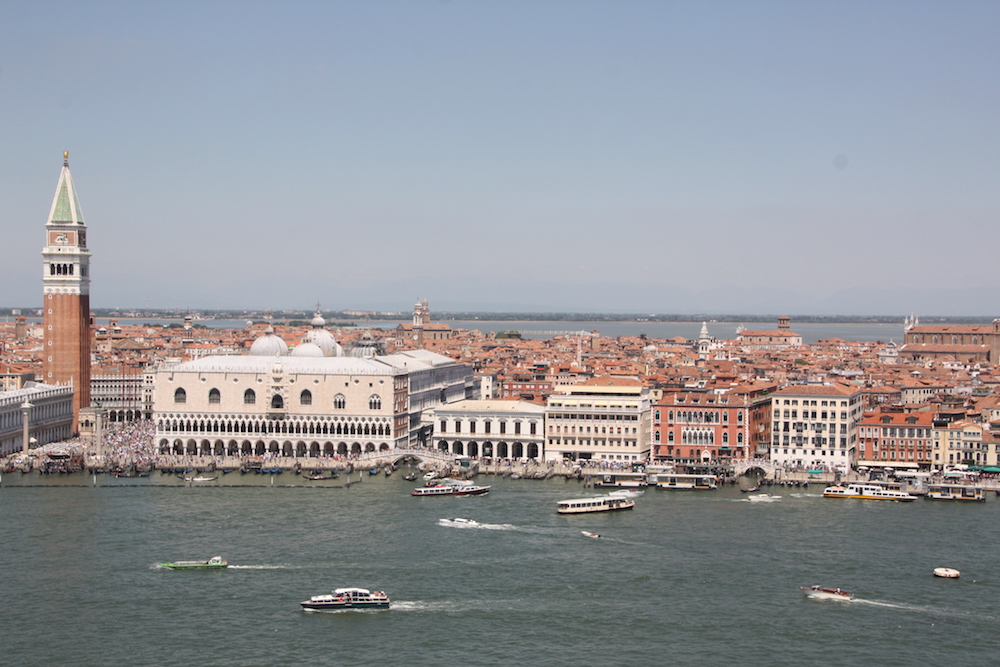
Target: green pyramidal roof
{"type": "Point", "coordinates": [66, 207]}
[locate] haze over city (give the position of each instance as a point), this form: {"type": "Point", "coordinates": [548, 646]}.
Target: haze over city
{"type": "Point", "coordinates": [558, 156]}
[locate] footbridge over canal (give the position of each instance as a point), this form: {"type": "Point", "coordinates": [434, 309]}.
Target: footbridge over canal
{"type": "Point", "coordinates": [435, 458]}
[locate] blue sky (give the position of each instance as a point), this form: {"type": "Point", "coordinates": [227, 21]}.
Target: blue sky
{"type": "Point", "coordinates": [748, 157]}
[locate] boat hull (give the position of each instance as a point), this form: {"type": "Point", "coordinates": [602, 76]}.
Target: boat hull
{"type": "Point", "coordinates": [340, 606]}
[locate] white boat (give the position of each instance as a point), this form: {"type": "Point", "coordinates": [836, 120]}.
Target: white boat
{"type": "Point", "coordinates": [960, 492]}
{"type": "Point", "coordinates": [946, 573]}
{"type": "Point", "coordinates": [634, 480]}
{"type": "Point", "coordinates": [607, 503]}
{"type": "Point", "coordinates": [347, 598]}
{"type": "Point", "coordinates": [201, 479]}
{"type": "Point", "coordinates": [450, 490]}
{"type": "Point", "coordinates": [827, 593]}
{"type": "Point", "coordinates": [669, 480]}
{"type": "Point", "coordinates": [762, 498]}
{"type": "Point", "coordinates": [865, 491]}
{"type": "Point", "coordinates": [589, 533]}
{"type": "Point", "coordinates": [626, 493]}
{"type": "Point", "coordinates": [459, 522]}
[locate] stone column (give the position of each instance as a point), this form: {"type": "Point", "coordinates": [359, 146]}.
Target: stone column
{"type": "Point", "coordinates": [25, 417]}
{"type": "Point", "coordinates": [99, 437]}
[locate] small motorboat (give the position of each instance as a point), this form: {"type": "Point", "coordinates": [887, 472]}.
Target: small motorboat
{"type": "Point", "coordinates": [459, 522]}
{"type": "Point", "coordinates": [347, 598]}
{"type": "Point", "coordinates": [201, 478]}
{"type": "Point", "coordinates": [626, 493]}
{"type": "Point", "coordinates": [213, 563]}
{"type": "Point", "coordinates": [762, 497]}
{"type": "Point", "coordinates": [589, 533]}
{"type": "Point", "coordinates": [821, 593]}
{"type": "Point", "coordinates": [409, 477]}
{"type": "Point", "coordinates": [946, 573]}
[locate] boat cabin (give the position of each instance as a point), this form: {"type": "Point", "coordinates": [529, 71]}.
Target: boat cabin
{"type": "Point", "coordinates": [671, 480]}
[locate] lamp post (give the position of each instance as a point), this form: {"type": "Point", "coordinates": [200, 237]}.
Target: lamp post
{"type": "Point", "coordinates": [25, 416]}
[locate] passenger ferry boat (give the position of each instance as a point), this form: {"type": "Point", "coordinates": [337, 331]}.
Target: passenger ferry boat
{"type": "Point", "coordinates": [450, 487]}
{"type": "Point", "coordinates": [631, 480]}
{"type": "Point", "coordinates": [867, 491]}
{"type": "Point", "coordinates": [669, 480]}
{"type": "Point", "coordinates": [961, 492]}
{"type": "Point", "coordinates": [213, 563]}
{"type": "Point", "coordinates": [609, 503]}
{"type": "Point", "coordinates": [347, 598]}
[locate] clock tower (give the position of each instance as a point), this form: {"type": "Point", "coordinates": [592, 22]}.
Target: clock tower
{"type": "Point", "coordinates": [66, 295]}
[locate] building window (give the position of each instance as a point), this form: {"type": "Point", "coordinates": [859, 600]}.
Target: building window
{"type": "Point", "coordinates": [531, 428]}
{"type": "Point", "coordinates": [249, 397]}
{"type": "Point", "coordinates": [306, 397]}
{"type": "Point", "coordinates": [214, 396]}
{"type": "Point", "coordinates": [339, 402]}
{"type": "Point", "coordinates": [180, 396]}
{"type": "Point", "coordinates": [375, 402]}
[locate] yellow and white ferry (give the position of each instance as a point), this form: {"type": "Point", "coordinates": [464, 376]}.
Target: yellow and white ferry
{"type": "Point", "coordinates": [867, 491]}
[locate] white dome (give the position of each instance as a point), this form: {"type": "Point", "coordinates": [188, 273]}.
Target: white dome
{"type": "Point", "coordinates": [269, 345]}
{"type": "Point", "coordinates": [307, 349]}
{"type": "Point", "coordinates": [318, 321]}
{"type": "Point", "coordinates": [324, 340]}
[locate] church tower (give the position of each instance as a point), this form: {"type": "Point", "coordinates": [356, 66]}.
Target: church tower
{"type": "Point", "coordinates": [66, 295]}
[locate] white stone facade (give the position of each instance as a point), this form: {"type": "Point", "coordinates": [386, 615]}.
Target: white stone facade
{"type": "Point", "coordinates": [602, 422]}
{"type": "Point", "coordinates": [484, 428]}
{"type": "Point", "coordinates": [815, 426]}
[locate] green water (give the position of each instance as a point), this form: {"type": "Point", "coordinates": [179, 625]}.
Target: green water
{"type": "Point", "coordinates": [686, 578]}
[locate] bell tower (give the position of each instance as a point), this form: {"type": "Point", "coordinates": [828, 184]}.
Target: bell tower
{"type": "Point", "coordinates": [66, 295]}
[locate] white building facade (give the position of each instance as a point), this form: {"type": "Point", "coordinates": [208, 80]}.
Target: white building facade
{"type": "Point", "coordinates": [815, 426]}
{"type": "Point", "coordinates": [607, 422]}
{"type": "Point", "coordinates": [491, 428]}
{"type": "Point", "coordinates": [312, 402]}
{"type": "Point", "coordinates": [50, 417]}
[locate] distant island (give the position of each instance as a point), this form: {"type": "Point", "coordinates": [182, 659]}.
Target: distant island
{"type": "Point", "coordinates": [471, 316]}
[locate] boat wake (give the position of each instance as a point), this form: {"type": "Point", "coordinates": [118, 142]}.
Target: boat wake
{"type": "Point", "coordinates": [926, 609]}
{"type": "Point", "coordinates": [758, 499]}
{"type": "Point", "coordinates": [469, 524]}
{"type": "Point", "coordinates": [262, 567]}
{"type": "Point", "coordinates": [454, 605]}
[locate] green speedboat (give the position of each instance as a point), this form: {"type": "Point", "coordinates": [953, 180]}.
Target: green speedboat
{"type": "Point", "coordinates": [213, 563]}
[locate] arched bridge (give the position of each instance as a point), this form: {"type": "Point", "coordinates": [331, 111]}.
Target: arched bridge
{"type": "Point", "coordinates": [393, 456]}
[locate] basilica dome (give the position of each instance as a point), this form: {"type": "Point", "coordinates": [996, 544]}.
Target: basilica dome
{"type": "Point", "coordinates": [269, 345]}
{"type": "Point", "coordinates": [322, 338]}
{"type": "Point", "coordinates": [307, 349]}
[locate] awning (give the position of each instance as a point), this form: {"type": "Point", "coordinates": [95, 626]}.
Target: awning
{"type": "Point", "coordinates": [889, 464]}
